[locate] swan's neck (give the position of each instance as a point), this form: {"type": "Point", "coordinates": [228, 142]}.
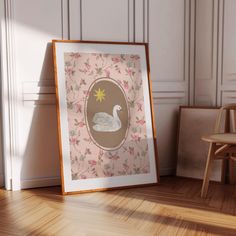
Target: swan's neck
{"type": "Point", "coordinates": [115, 115]}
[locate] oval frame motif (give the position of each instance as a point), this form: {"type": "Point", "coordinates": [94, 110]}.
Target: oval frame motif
{"type": "Point", "coordinates": [85, 113]}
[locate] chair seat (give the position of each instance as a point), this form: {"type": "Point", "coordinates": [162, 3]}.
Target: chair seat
{"type": "Point", "coordinates": [225, 138]}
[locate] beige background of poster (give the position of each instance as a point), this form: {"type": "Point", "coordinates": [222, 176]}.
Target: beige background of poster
{"type": "Point", "coordinates": [113, 96]}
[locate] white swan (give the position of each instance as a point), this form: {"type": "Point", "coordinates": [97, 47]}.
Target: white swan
{"type": "Point", "coordinates": [107, 123]}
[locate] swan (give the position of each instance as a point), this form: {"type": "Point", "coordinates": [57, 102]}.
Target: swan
{"type": "Point", "coordinates": [107, 123]}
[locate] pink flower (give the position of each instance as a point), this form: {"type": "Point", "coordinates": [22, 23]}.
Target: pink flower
{"type": "Point", "coordinates": [116, 59]}
{"type": "Point", "coordinates": [129, 71]}
{"type": "Point", "coordinates": [83, 71]}
{"type": "Point", "coordinates": [82, 82]}
{"type": "Point", "coordinates": [73, 141]}
{"type": "Point", "coordinates": [92, 162]}
{"type": "Point", "coordinates": [126, 167]}
{"type": "Point", "coordinates": [82, 177]}
{"type": "Point", "coordinates": [107, 72]}
{"type": "Point", "coordinates": [87, 140]}
{"type": "Point", "coordinates": [78, 108]}
{"type": "Point", "coordinates": [131, 150]}
{"type": "Point", "coordinates": [126, 84]}
{"type": "Point", "coordinates": [108, 173]}
{"type": "Point", "coordinates": [135, 137]}
{"type": "Point", "coordinates": [141, 121]}
{"type": "Point", "coordinates": [119, 81]}
{"type": "Point", "coordinates": [87, 65]}
{"type": "Point", "coordinates": [114, 157]}
{"type": "Point", "coordinates": [100, 153]}
{"type": "Point", "coordinates": [139, 106]}
{"type": "Point", "coordinates": [69, 71]}
{"type": "Point", "coordinates": [86, 92]}
{"type": "Point", "coordinates": [91, 73]}
{"type": "Point", "coordinates": [145, 170]}
{"type": "Point", "coordinates": [81, 124]}
{"type": "Point", "coordinates": [75, 168]}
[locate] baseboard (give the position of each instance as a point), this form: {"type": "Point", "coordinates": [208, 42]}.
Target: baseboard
{"type": "Point", "coordinates": [40, 182]}
{"type": "Point", "coordinates": [1, 180]}
{"type": "Point", "coordinates": [167, 171]}
{"type": "Point", "coordinates": [54, 181]}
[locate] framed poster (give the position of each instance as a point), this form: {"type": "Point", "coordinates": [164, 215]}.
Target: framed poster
{"type": "Point", "coordinates": [194, 122]}
{"type": "Point", "coordinates": [105, 115]}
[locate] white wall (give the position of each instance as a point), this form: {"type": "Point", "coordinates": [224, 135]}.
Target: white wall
{"type": "Point", "coordinates": [34, 69]}
{"type": "Point", "coordinates": [215, 58]}
{"type": "Point", "coordinates": [191, 63]}
{"type": "Point", "coordinates": [164, 25]}
{"type": "Point", "coordinates": [1, 156]}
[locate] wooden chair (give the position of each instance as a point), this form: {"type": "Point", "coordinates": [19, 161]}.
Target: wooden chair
{"type": "Point", "coordinates": [222, 144]}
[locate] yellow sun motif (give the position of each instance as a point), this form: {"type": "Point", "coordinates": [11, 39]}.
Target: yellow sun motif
{"type": "Point", "coordinates": [100, 95]}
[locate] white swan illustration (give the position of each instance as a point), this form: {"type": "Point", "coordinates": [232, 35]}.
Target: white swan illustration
{"type": "Point", "coordinates": [107, 123]}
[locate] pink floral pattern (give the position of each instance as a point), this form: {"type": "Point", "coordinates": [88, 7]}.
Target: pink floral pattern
{"type": "Point", "coordinates": [87, 159]}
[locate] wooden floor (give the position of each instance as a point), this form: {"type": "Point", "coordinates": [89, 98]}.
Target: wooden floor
{"type": "Point", "coordinates": [172, 208]}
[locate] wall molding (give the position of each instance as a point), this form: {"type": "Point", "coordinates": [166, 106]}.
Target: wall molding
{"type": "Point", "coordinates": [65, 18]}
{"type": "Point", "coordinates": [227, 76]}
{"type": "Point", "coordinates": [229, 94]}
{"type": "Point", "coordinates": [139, 11]}
{"type": "Point", "coordinates": [205, 76]}
{"type": "Point", "coordinates": [75, 19]}
{"type": "Point", "coordinates": [169, 101]}
{"type": "Point", "coordinates": [220, 57]}
{"type": "Point", "coordinates": [131, 20]}
{"type": "Point", "coordinates": [1, 180]}
{"type": "Point", "coordinates": [40, 182]}
{"type": "Point", "coordinates": [172, 95]}
{"type": "Point", "coordinates": [10, 100]}
{"type": "Point", "coordinates": [186, 36]}
{"type": "Point", "coordinates": [146, 20]}
{"type": "Point", "coordinates": [212, 48]}
{"type": "Point", "coordinates": [42, 93]}
{"type": "Point", "coordinates": [191, 56]}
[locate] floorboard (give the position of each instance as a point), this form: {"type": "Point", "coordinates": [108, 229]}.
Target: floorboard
{"type": "Point", "coordinates": [174, 207]}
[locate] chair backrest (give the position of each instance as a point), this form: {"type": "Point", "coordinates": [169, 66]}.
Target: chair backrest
{"type": "Point", "coordinates": [229, 117]}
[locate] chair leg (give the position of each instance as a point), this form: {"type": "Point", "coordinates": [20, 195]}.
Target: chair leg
{"type": "Point", "coordinates": [232, 176]}
{"type": "Point", "coordinates": [208, 170]}
{"type": "Point", "coordinates": [223, 171]}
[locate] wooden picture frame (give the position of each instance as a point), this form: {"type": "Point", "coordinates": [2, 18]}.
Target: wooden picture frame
{"type": "Point", "coordinates": [194, 122]}
{"type": "Point", "coordinates": [105, 115]}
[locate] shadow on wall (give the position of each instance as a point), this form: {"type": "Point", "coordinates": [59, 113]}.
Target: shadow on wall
{"type": "Point", "coordinates": [35, 23]}
{"type": "Point", "coordinates": [40, 164]}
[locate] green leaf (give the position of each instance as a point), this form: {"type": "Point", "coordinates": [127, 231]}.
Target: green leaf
{"type": "Point", "coordinates": [70, 105]}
